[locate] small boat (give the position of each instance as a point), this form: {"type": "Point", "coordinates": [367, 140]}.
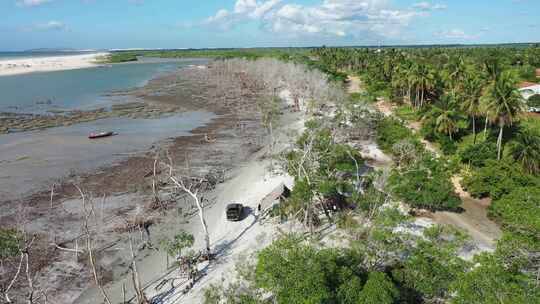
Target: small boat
{"type": "Point", "coordinates": [95, 135]}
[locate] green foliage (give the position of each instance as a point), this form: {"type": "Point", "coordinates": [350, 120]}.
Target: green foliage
{"type": "Point", "coordinates": [534, 101]}
{"type": "Point", "coordinates": [425, 184]}
{"type": "Point", "coordinates": [406, 112]}
{"type": "Point", "coordinates": [525, 149]}
{"type": "Point", "coordinates": [321, 168]}
{"type": "Point", "coordinates": [390, 131]}
{"type": "Point", "coordinates": [178, 243]}
{"type": "Point", "coordinates": [120, 57]}
{"type": "Point", "coordinates": [9, 243]}
{"type": "Point", "coordinates": [254, 53]}
{"type": "Point", "coordinates": [519, 211]}
{"type": "Point", "coordinates": [232, 294]}
{"type": "Point", "coordinates": [496, 179]}
{"type": "Point", "coordinates": [527, 73]}
{"type": "Point", "coordinates": [379, 289]}
{"type": "Point", "coordinates": [298, 273]}
{"type": "Point", "coordinates": [491, 282]}
{"type": "Point", "coordinates": [433, 264]}
{"type": "Point", "coordinates": [478, 154]}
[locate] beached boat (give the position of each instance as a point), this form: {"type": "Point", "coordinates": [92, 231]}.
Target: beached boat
{"type": "Point", "coordinates": [95, 135]}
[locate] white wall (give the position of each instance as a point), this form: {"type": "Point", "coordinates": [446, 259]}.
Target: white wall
{"type": "Point", "coordinates": [530, 91]}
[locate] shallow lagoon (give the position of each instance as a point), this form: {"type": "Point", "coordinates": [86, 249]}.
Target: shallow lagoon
{"type": "Point", "coordinates": [82, 88]}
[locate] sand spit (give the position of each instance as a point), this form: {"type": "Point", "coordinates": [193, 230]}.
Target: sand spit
{"type": "Point", "coordinates": [48, 64]}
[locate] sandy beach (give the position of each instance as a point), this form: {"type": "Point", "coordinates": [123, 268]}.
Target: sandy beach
{"type": "Point", "coordinates": [48, 64]}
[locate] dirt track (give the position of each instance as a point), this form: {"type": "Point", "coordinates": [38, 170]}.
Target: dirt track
{"type": "Point", "coordinates": [474, 218]}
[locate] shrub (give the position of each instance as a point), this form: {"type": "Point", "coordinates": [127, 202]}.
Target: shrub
{"type": "Point", "coordinates": [430, 269]}
{"type": "Point", "coordinates": [407, 112]}
{"type": "Point", "coordinates": [425, 184]}
{"type": "Point", "coordinates": [519, 211]}
{"type": "Point", "coordinates": [9, 243]}
{"type": "Point", "coordinates": [496, 179]}
{"type": "Point", "coordinates": [491, 282]}
{"type": "Point", "coordinates": [447, 145]}
{"type": "Point", "coordinates": [477, 155]}
{"type": "Point", "coordinates": [390, 131]}
{"type": "Point", "coordinates": [379, 289]}
{"type": "Point", "coordinates": [298, 273]}
{"type": "Point", "coordinates": [534, 101]}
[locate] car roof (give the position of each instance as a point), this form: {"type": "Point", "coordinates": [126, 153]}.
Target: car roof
{"type": "Point", "coordinates": [236, 205]}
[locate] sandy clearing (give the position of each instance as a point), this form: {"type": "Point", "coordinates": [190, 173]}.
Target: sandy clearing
{"type": "Point", "coordinates": [48, 64]}
{"type": "Point", "coordinates": [355, 84]}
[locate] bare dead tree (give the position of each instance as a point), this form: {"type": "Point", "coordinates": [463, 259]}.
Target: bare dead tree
{"type": "Point", "coordinates": [24, 253]}
{"type": "Point", "coordinates": [137, 286]}
{"type": "Point", "coordinates": [192, 186]}
{"type": "Point", "coordinates": [89, 245]}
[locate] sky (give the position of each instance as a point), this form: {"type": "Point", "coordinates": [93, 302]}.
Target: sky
{"type": "Point", "coordinates": [120, 24]}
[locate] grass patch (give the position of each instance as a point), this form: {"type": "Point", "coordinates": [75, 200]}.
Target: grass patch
{"type": "Point", "coordinates": [406, 112]}
{"type": "Point", "coordinates": [9, 243]}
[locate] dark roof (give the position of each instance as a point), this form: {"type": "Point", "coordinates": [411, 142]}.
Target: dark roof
{"type": "Point", "coordinates": [233, 206]}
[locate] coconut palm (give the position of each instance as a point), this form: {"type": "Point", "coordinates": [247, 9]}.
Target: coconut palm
{"type": "Point", "coordinates": [472, 86]}
{"type": "Point", "coordinates": [423, 79]}
{"type": "Point", "coordinates": [502, 103]}
{"type": "Point", "coordinates": [526, 151]}
{"type": "Point", "coordinates": [446, 116]}
{"type": "Point", "coordinates": [454, 73]}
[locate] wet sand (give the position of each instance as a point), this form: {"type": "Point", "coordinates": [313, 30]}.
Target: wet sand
{"type": "Point", "coordinates": [29, 160]}
{"type": "Point", "coordinates": [122, 189]}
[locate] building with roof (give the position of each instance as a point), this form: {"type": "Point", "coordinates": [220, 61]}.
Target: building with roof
{"type": "Point", "coordinates": [529, 89]}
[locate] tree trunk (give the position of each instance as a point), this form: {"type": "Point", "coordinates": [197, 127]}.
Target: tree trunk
{"type": "Point", "coordinates": [474, 129]}
{"type": "Point", "coordinates": [499, 142]}
{"type": "Point", "coordinates": [205, 226]}
{"type": "Point", "coordinates": [485, 128]}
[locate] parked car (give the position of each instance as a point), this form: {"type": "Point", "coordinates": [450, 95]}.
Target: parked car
{"type": "Point", "coordinates": [234, 212]}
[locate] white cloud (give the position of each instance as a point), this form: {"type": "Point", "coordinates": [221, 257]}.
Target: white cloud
{"type": "Point", "coordinates": [428, 6]}
{"type": "Point", "coordinates": [52, 25]}
{"type": "Point", "coordinates": [30, 3]}
{"type": "Point", "coordinates": [337, 18]}
{"type": "Point", "coordinates": [456, 34]}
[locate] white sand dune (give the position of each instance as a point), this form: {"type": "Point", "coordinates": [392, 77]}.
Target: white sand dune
{"type": "Point", "coordinates": [47, 64]}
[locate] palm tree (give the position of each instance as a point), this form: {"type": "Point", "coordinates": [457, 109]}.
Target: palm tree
{"type": "Point", "coordinates": [446, 123]}
{"type": "Point", "coordinates": [423, 79]}
{"type": "Point", "coordinates": [526, 151]}
{"type": "Point", "coordinates": [454, 73]}
{"type": "Point", "coordinates": [470, 96]}
{"type": "Point", "coordinates": [502, 103]}
{"type": "Point", "coordinates": [446, 117]}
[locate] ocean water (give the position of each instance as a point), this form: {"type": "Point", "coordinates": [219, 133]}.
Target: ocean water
{"type": "Point", "coordinates": [79, 89]}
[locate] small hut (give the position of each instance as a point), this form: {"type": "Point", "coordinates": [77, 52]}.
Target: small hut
{"type": "Point", "coordinates": [276, 197]}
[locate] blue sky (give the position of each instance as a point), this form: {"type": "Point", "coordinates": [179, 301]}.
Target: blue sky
{"type": "Point", "coordinates": [93, 24]}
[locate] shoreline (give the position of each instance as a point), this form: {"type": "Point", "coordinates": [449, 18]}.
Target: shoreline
{"type": "Point", "coordinates": [237, 132]}
{"type": "Point", "coordinates": [9, 67]}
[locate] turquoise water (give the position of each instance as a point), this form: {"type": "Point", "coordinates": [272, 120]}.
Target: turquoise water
{"type": "Point", "coordinates": [78, 89]}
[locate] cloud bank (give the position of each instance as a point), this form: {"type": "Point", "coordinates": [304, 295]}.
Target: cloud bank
{"type": "Point", "coordinates": [331, 18]}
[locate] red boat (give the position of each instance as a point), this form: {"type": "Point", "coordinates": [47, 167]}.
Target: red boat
{"type": "Point", "coordinates": [94, 135]}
